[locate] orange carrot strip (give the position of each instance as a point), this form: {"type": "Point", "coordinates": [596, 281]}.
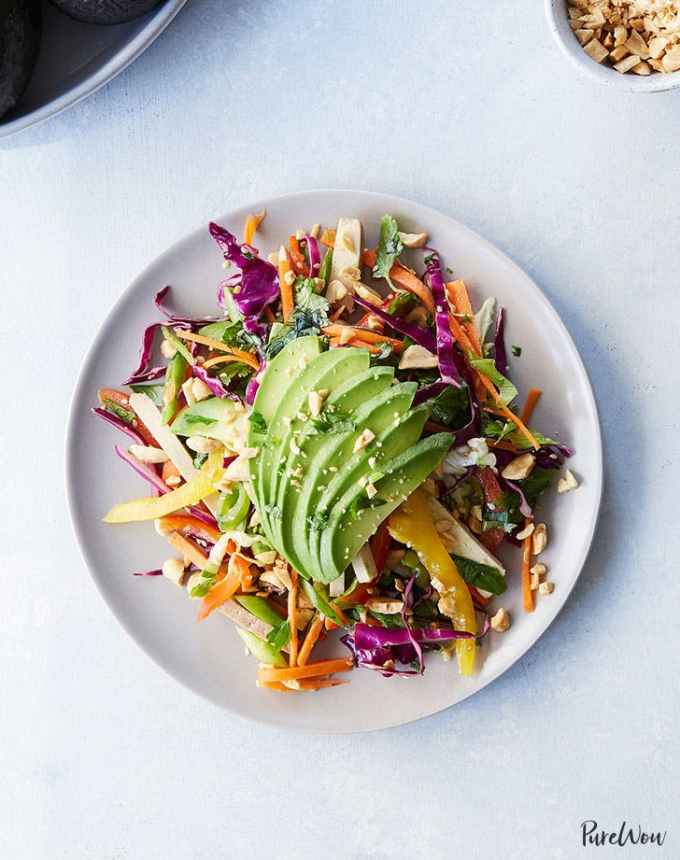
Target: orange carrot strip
{"type": "Point", "coordinates": [404, 278]}
{"type": "Point", "coordinates": [225, 589]}
{"type": "Point", "coordinates": [297, 256]}
{"type": "Point", "coordinates": [507, 413]}
{"type": "Point", "coordinates": [461, 335]}
{"type": "Point", "coordinates": [364, 334]}
{"type": "Point", "coordinates": [338, 312]}
{"type": "Point", "coordinates": [221, 359]}
{"type": "Point", "coordinates": [459, 298]}
{"type": "Point", "coordinates": [169, 470]}
{"type": "Point", "coordinates": [292, 618]}
{"type": "Point", "coordinates": [528, 597]}
{"type": "Point", "coordinates": [532, 399]}
{"type": "Point", "coordinates": [275, 685]}
{"type": "Point", "coordinates": [329, 625]}
{"type": "Point", "coordinates": [177, 522]}
{"type": "Point", "coordinates": [311, 639]}
{"type": "Point", "coordinates": [285, 288]}
{"type": "Point", "coordinates": [246, 357]}
{"type": "Point", "coordinates": [311, 670]}
{"type": "Point", "coordinates": [251, 225]}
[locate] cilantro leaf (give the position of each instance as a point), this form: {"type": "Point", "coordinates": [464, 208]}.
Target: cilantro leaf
{"type": "Point", "coordinates": [278, 636]}
{"type": "Point", "coordinates": [306, 297]}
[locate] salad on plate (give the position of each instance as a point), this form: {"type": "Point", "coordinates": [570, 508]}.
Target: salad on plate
{"type": "Point", "coordinates": [340, 449]}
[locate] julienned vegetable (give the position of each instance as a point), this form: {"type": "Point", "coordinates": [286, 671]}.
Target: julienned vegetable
{"type": "Point", "coordinates": [335, 454]}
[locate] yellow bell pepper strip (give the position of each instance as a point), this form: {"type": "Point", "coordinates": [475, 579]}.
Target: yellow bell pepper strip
{"type": "Point", "coordinates": [154, 507]}
{"type": "Point", "coordinates": [412, 524]}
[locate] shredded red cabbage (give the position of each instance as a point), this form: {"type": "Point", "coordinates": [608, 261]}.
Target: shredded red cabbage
{"type": "Point", "coordinates": [144, 471]}
{"type": "Point", "coordinates": [178, 320]}
{"type": "Point", "coordinates": [202, 515]}
{"type": "Point", "coordinates": [424, 337]}
{"type": "Point", "coordinates": [214, 384]}
{"type": "Point", "coordinates": [314, 255]}
{"type": "Point", "coordinates": [141, 373]}
{"type": "Point", "coordinates": [415, 645]}
{"type": "Point", "coordinates": [119, 423]}
{"type": "Point", "coordinates": [156, 572]}
{"type": "Point", "coordinates": [258, 284]}
{"type": "Point", "coordinates": [470, 430]}
{"type": "Point", "coordinates": [448, 365]}
{"type": "Point", "coordinates": [500, 355]}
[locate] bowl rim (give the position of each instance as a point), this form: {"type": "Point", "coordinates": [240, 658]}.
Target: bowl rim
{"type": "Point", "coordinates": [128, 53]}
{"type": "Point", "coordinates": [556, 13]}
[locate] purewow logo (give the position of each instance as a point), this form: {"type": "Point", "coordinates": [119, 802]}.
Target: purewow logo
{"type": "Point", "coordinates": [627, 834]}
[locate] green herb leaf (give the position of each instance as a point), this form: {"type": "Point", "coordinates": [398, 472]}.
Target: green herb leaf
{"type": "Point", "coordinates": [537, 482]}
{"type": "Point", "coordinates": [279, 636]}
{"type": "Point", "coordinates": [488, 368]}
{"type": "Point", "coordinates": [326, 266]}
{"type": "Point", "coordinates": [482, 576]}
{"type": "Point", "coordinates": [452, 407]}
{"type": "Point", "coordinates": [390, 247]}
{"type": "Point", "coordinates": [516, 350]}
{"type": "Point", "coordinates": [306, 297]}
{"type": "Point", "coordinates": [331, 422]}
{"type": "Point", "coordinates": [401, 304]}
{"type": "Point", "coordinates": [257, 422]}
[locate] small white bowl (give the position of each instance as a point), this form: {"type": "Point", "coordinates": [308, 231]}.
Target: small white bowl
{"type": "Point", "coordinates": [558, 21]}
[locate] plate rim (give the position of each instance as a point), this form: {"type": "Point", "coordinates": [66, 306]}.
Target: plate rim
{"type": "Point", "coordinates": [596, 480]}
{"type": "Point", "coordinates": [125, 55]}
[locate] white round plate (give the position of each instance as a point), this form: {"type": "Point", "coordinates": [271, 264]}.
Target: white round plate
{"type": "Point", "coordinates": [76, 59]}
{"type": "Point", "coordinates": [209, 657]}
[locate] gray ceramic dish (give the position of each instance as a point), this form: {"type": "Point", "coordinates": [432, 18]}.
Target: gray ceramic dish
{"type": "Point", "coordinates": [77, 59]}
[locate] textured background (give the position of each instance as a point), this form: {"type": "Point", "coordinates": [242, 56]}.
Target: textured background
{"type": "Point", "coordinates": [467, 107]}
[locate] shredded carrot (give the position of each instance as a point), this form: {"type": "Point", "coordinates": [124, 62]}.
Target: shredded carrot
{"type": "Point", "coordinates": [507, 413]}
{"type": "Point", "coordinates": [310, 670]}
{"type": "Point", "coordinates": [246, 357]}
{"type": "Point", "coordinates": [461, 335]}
{"type": "Point", "coordinates": [269, 315]}
{"type": "Point", "coordinates": [330, 625]}
{"type": "Point", "coordinates": [458, 295]}
{"type": "Point", "coordinates": [337, 313]}
{"type": "Point", "coordinates": [285, 288]}
{"type": "Point", "coordinates": [363, 334]}
{"type": "Point", "coordinates": [177, 522]}
{"type": "Point", "coordinates": [251, 225]}
{"type": "Point", "coordinates": [225, 589]}
{"type": "Point", "coordinates": [311, 639]}
{"type": "Point", "coordinates": [275, 685]}
{"type": "Point", "coordinates": [532, 399]}
{"type": "Point", "coordinates": [528, 597]}
{"type": "Point", "coordinates": [328, 237]}
{"type": "Point", "coordinates": [404, 278]}
{"type": "Point", "coordinates": [292, 618]}
{"type": "Point", "coordinates": [221, 359]}
{"type": "Point", "coordinates": [296, 255]}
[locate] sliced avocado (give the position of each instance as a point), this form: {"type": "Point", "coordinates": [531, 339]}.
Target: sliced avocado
{"type": "Point", "coordinates": [20, 29]}
{"type": "Point", "coordinates": [105, 11]}
{"type": "Point", "coordinates": [316, 455]}
{"type": "Point", "coordinates": [327, 370]}
{"type": "Point", "coordinates": [212, 418]}
{"type": "Point", "coordinates": [344, 535]}
{"type": "Point", "coordinates": [281, 370]}
{"type": "Point", "coordinates": [387, 417]}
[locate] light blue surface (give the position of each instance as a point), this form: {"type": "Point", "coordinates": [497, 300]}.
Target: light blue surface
{"type": "Point", "coordinates": [468, 107]}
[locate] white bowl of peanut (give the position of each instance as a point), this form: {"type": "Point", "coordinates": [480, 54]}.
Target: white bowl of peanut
{"type": "Point", "coordinates": [632, 45]}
